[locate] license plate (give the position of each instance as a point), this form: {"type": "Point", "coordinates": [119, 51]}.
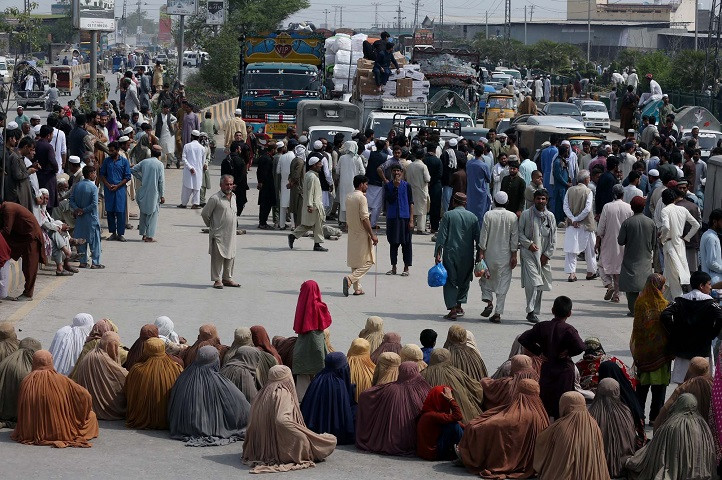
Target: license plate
{"type": "Point", "coordinates": [277, 128]}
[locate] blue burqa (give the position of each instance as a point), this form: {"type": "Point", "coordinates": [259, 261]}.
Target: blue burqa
{"type": "Point", "coordinates": [547, 158]}
{"type": "Point", "coordinates": [328, 405]}
{"type": "Point", "coordinates": [478, 178]}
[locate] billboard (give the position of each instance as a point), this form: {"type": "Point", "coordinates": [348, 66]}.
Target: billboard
{"type": "Point", "coordinates": [164, 26]}
{"type": "Point", "coordinates": [216, 12]}
{"type": "Point", "coordinates": [94, 15]}
{"type": "Point", "coordinates": [182, 7]}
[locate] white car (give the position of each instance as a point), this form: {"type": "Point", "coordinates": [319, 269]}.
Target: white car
{"type": "Point", "coordinates": [594, 115]}
{"type": "Point", "coordinates": [706, 141]}
{"type": "Point", "coordinates": [4, 73]}
{"type": "Point", "coordinates": [559, 121]}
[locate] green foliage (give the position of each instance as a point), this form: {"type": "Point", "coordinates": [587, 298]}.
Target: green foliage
{"type": "Point", "coordinates": [225, 52]}
{"type": "Point", "coordinates": [61, 30]}
{"type": "Point", "coordinates": [683, 70]}
{"type": "Point", "coordinates": [23, 28]}
{"type": "Point", "coordinates": [557, 58]}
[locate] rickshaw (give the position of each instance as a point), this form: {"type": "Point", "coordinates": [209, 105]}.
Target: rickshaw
{"type": "Point", "coordinates": [27, 97]}
{"type": "Point", "coordinates": [62, 75]}
{"type": "Point", "coordinates": [498, 106]}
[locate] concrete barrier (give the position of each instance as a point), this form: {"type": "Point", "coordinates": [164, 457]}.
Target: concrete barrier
{"type": "Point", "coordinates": [80, 70]}
{"type": "Point", "coordinates": [221, 112]}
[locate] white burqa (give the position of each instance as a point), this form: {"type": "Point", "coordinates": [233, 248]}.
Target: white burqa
{"type": "Point", "coordinates": [68, 343]}
{"type": "Point", "coordinates": [676, 269]}
{"type": "Point", "coordinates": [349, 165]}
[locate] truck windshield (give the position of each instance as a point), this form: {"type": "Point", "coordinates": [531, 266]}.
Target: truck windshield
{"type": "Point", "coordinates": [281, 81]}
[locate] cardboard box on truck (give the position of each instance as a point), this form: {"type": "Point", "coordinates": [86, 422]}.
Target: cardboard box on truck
{"type": "Point", "coordinates": [404, 87]}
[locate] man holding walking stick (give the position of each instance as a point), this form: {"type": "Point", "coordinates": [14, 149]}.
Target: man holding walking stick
{"type": "Point", "coordinates": [360, 255]}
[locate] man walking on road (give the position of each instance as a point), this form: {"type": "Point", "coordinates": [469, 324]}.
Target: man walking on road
{"type": "Point", "coordinates": [150, 194]}
{"type": "Point", "coordinates": [672, 236]}
{"type": "Point", "coordinates": [194, 155]}
{"type": "Point", "coordinates": [219, 215]}
{"type": "Point", "coordinates": [313, 213]}
{"type": "Point", "coordinates": [579, 235]}
{"type": "Point", "coordinates": [537, 237]}
{"type": "Point", "coordinates": [611, 253]}
{"type": "Point", "coordinates": [457, 245]}
{"type": "Point", "coordinates": [361, 238]}
{"type": "Point", "coordinates": [638, 235]}
{"type": "Point", "coordinates": [498, 243]}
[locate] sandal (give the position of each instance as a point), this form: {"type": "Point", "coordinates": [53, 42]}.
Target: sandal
{"type": "Point", "coordinates": [359, 292]}
{"type": "Point", "coordinates": [64, 273]}
{"type": "Point", "coordinates": [83, 265]}
{"type": "Point", "coordinates": [346, 285]}
{"type": "Point", "coordinates": [451, 315]}
{"type": "Point", "coordinates": [70, 268]}
{"type": "Point", "coordinates": [390, 272]}
{"type": "Point", "coordinates": [405, 274]}
{"type": "Point", "coordinates": [99, 266]}
{"type": "Point", "coordinates": [488, 310]}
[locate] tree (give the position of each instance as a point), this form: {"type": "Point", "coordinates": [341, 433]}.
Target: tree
{"type": "Point", "coordinates": [23, 28]}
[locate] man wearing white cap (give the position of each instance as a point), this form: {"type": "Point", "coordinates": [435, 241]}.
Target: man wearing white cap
{"type": "Point", "coordinates": [283, 170]}
{"type": "Point", "coordinates": [579, 235]}
{"type": "Point", "coordinates": [193, 159]}
{"type": "Point", "coordinates": [235, 124]}
{"type": "Point", "coordinates": [313, 213]}
{"type": "Point", "coordinates": [498, 242]}
{"type": "Point", "coordinates": [75, 171]}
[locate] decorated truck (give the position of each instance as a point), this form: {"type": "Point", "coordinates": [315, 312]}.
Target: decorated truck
{"type": "Point", "coordinates": [278, 70]}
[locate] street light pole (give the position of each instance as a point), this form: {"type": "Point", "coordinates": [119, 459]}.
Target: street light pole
{"type": "Point", "coordinates": [589, 28]}
{"type": "Point", "coordinates": [181, 27]}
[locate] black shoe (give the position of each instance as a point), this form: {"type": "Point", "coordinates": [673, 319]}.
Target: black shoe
{"type": "Point", "coordinates": [203, 204]}
{"type": "Point", "coordinates": [318, 248]}
{"type": "Point", "coordinates": [291, 239]}
{"type": "Point", "coordinates": [532, 318]}
{"type": "Point", "coordinates": [121, 238]}
{"type": "Point", "coordinates": [496, 318]}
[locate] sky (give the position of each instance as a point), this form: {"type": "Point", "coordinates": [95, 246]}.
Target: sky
{"type": "Point", "coordinates": [361, 13]}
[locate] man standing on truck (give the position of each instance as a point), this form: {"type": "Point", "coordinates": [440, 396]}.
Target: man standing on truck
{"type": "Point", "coordinates": [235, 124]}
{"type": "Point", "coordinates": [382, 67]}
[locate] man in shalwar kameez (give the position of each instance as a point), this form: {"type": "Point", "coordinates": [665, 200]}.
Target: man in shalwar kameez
{"type": "Point", "coordinates": [150, 194]}
{"type": "Point", "coordinates": [611, 253]}
{"type": "Point", "coordinates": [361, 238]}
{"type": "Point", "coordinates": [194, 155]}
{"type": "Point", "coordinates": [458, 241]}
{"type": "Point", "coordinates": [671, 234]}
{"type": "Point", "coordinates": [115, 175]}
{"type": "Point", "coordinates": [579, 235]}
{"type": "Point", "coordinates": [313, 213]}
{"type": "Point", "coordinates": [498, 243]}
{"type": "Point", "coordinates": [537, 237]}
{"type": "Point", "coordinates": [84, 203]}
{"type": "Point", "coordinates": [219, 215]}
{"type": "Point", "coordinates": [478, 178]}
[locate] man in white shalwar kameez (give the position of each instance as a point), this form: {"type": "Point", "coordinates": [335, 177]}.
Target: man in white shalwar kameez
{"type": "Point", "coordinates": [579, 235]}
{"type": "Point", "coordinates": [349, 165]}
{"type": "Point", "coordinates": [537, 238]}
{"type": "Point", "coordinates": [611, 253]}
{"type": "Point", "coordinates": [166, 123]}
{"type": "Point", "coordinates": [671, 235]}
{"type": "Point", "coordinates": [418, 176]}
{"type": "Point", "coordinates": [194, 155]}
{"type": "Point", "coordinates": [313, 213]}
{"type": "Point", "coordinates": [498, 242]}
{"type": "Point", "coordinates": [283, 169]}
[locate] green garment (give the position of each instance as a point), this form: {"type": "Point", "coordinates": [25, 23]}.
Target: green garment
{"type": "Point", "coordinates": [309, 353]}
{"type": "Point", "coordinates": [459, 237]}
{"type": "Point", "coordinates": [209, 126]}
{"type": "Point", "coordinates": [13, 369]}
{"type": "Point", "coordinates": [665, 110]}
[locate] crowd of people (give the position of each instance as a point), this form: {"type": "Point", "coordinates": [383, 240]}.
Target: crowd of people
{"type": "Point", "coordinates": [292, 400]}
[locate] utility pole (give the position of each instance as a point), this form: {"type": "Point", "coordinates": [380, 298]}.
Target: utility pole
{"type": "Point", "coordinates": [340, 20]}
{"type": "Point", "coordinates": [487, 24]}
{"type": "Point", "coordinates": [524, 24]}
{"type": "Point", "coordinates": [441, 14]}
{"type": "Point", "coordinates": [139, 29]}
{"type": "Point", "coordinates": [416, 14]}
{"type": "Point", "coordinates": [335, 16]}
{"type": "Point", "coordinates": [507, 20]}
{"type": "Point", "coordinates": [376, 14]}
{"type": "Point", "coordinates": [696, 21]}
{"type": "Point", "coordinates": [398, 18]}
{"type": "Point", "coordinates": [589, 28]}
{"type": "Point", "coordinates": [325, 12]}
{"type": "Point", "coordinates": [125, 21]}
{"type": "Point", "coordinates": [531, 14]}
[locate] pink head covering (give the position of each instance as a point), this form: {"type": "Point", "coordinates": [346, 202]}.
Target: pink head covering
{"type": "Point", "coordinates": [311, 312]}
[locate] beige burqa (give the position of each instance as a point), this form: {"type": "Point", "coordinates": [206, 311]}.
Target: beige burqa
{"type": "Point", "coordinates": [360, 365]}
{"type": "Point", "coordinates": [99, 372]}
{"type": "Point", "coordinates": [464, 357]}
{"type": "Point", "coordinates": [698, 382]}
{"type": "Point", "coordinates": [500, 392]}
{"type": "Point", "coordinates": [412, 353]}
{"type": "Point", "coordinates": [571, 448]}
{"type": "Point", "coordinates": [277, 439]}
{"type": "Point", "coordinates": [387, 368]}
{"type": "Point", "coordinates": [373, 332]}
{"type": "Point", "coordinates": [8, 339]}
{"type": "Point", "coordinates": [466, 391]}
{"type": "Point", "coordinates": [241, 338]}
{"type": "Point", "coordinates": [13, 369]}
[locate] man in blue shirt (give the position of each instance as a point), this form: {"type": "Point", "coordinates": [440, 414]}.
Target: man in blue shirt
{"type": "Point", "coordinates": [382, 67]}
{"type": "Point", "coordinates": [84, 203]}
{"type": "Point", "coordinates": [115, 174]}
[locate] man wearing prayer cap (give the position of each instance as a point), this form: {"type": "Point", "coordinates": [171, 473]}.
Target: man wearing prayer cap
{"type": "Point", "coordinates": [638, 236]}
{"type": "Point", "coordinates": [12, 126]}
{"type": "Point", "coordinates": [21, 117]}
{"type": "Point", "coordinates": [498, 243]}
{"type": "Point", "coordinates": [579, 235]}
{"type": "Point", "coordinates": [149, 195]}
{"type": "Point", "coordinates": [193, 158]}
{"type": "Point", "coordinates": [457, 245]}
{"type": "Point", "coordinates": [313, 213]}
{"type": "Point", "coordinates": [451, 158]}
{"type": "Point", "coordinates": [233, 125]}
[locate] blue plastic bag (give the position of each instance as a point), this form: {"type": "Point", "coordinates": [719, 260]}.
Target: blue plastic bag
{"type": "Point", "coordinates": [437, 275]}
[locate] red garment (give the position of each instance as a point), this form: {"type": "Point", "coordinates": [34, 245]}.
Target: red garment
{"type": "Point", "coordinates": [434, 415]}
{"type": "Point", "coordinates": [311, 312]}
{"type": "Point", "coordinates": [260, 339]}
{"type": "Point", "coordinates": [4, 251]}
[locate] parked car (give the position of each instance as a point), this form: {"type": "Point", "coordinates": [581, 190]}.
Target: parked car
{"type": "Point", "coordinates": [594, 115]}
{"type": "Point", "coordinates": [706, 141]}
{"type": "Point", "coordinates": [474, 134]}
{"type": "Point", "coordinates": [563, 109]}
{"type": "Point", "coordinates": [162, 58]}
{"type": "Point", "coordinates": [558, 121]}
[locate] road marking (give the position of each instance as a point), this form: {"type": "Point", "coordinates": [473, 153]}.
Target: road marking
{"type": "Point", "coordinates": [37, 298]}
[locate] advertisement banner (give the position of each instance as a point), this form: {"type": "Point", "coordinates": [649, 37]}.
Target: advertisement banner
{"type": "Point", "coordinates": [216, 12]}
{"type": "Point", "coordinates": [164, 26]}
{"type": "Point", "coordinates": [182, 7]}
{"type": "Point", "coordinates": [96, 15]}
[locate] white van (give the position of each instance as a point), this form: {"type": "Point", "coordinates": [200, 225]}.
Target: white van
{"type": "Point", "coordinates": [194, 58]}
{"type": "Point", "coordinates": [4, 72]}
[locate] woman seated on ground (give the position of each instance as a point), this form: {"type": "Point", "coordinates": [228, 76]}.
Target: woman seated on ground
{"type": "Point", "coordinates": [463, 356]}
{"type": "Point", "coordinates": [386, 419]}
{"type": "Point", "coordinates": [588, 366]}
{"type": "Point", "coordinates": [147, 387]}
{"type": "Point", "coordinates": [499, 392]}
{"type": "Point", "coordinates": [387, 369]}
{"type": "Point", "coordinates": [174, 344]}
{"type": "Point", "coordinates": [682, 448]}
{"type": "Point", "coordinates": [205, 408]}
{"type": "Point", "coordinates": [698, 382]}
{"type": "Point", "coordinates": [504, 369]}
{"type": "Point", "coordinates": [572, 447]}
{"type": "Point", "coordinates": [242, 370]}
{"type": "Point", "coordinates": [8, 340]}
{"type": "Point", "coordinates": [329, 405]}
{"type": "Point", "coordinates": [13, 369]}
{"type": "Point", "coordinates": [628, 396]}
{"type": "Point", "coordinates": [207, 335]}
{"type": "Point", "coordinates": [360, 366]}
{"type": "Point", "coordinates": [135, 354]}
{"type": "Point", "coordinates": [412, 353]}
{"type": "Point", "coordinates": [68, 343]}
{"type": "Point", "coordinates": [391, 343]}
{"type": "Point", "coordinates": [52, 409]}
{"type": "Point", "coordinates": [466, 391]}
{"type": "Point", "coordinates": [260, 339]}
{"type": "Point", "coordinates": [439, 429]}
{"type": "Point", "coordinates": [616, 423]}
{"type": "Point", "coordinates": [284, 346]}
{"type": "Point", "coordinates": [373, 332]}
{"type": "Point", "coordinates": [101, 374]}
{"type": "Point", "coordinates": [500, 443]}
{"type": "Point", "coordinates": [277, 439]}
{"type": "Point", "coordinates": [96, 333]}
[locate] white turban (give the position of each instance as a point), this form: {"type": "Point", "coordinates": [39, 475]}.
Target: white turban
{"type": "Point", "coordinates": [313, 161]}
{"type": "Point", "coordinates": [501, 198]}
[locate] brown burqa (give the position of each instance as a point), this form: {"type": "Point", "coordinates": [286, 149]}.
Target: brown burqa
{"type": "Point", "coordinates": [387, 414]}
{"type": "Point", "coordinates": [241, 338]}
{"type": "Point", "coordinates": [373, 332]}
{"type": "Point", "coordinates": [207, 335]}
{"type": "Point", "coordinates": [260, 338]}
{"type": "Point", "coordinates": [499, 392]}
{"type": "Point", "coordinates": [391, 343]}
{"type": "Point", "coordinates": [8, 340]}
{"type": "Point", "coordinates": [284, 346]}
{"type": "Point", "coordinates": [277, 439]}
{"type": "Point", "coordinates": [412, 353]}
{"type": "Point", "coordinates": [463, 356]}
{"type": "Point", "coordinates": [571, 448]}
{"type": "Point", "coordinates": [360, 365]}
{"type": "Point", "coordinates": [148, 385]}
{"type": "Point", "coordinates": [616, 423]}
{"type": "Point", "coordinates": [387, 369]}
{"type": "Point", "coordinates": [104, 379]}
{"type": "Point", "coordinates": [698, 382]}
{"type": "Point", "coordinates": [504, 369]}
{"type": "Point", "coordinates": [13, 370]}
{"type": "Point", "coordinates": [242, 370]}
{"type": "Point", "coordinates": [500, 443]}
{"type": "Point", "coordinates": [52, 409]}
{"type": "Point", "coordinates": [466, 391]}
{"type": "Point", "coordinates": [96, 333]}
{"type": "Point", "coordinates": [135, 354]}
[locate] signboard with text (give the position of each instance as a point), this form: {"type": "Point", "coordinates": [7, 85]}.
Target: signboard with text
{"type": "Point", "coordinates": [216, 12]}
{"type": "Point", "coordinates": [98, 15]}
{"type": "Point", "coordinates": [182, 7]}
